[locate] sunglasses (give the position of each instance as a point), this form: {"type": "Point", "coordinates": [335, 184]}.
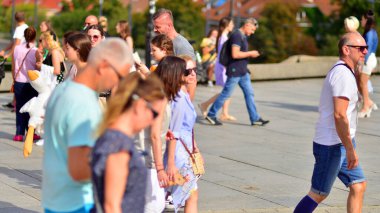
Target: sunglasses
{"type": "Point", "coordinates": [95, 37]}
{"type": "Point", "coordinates": [188, 71]}
{"type": "Point", "coordinates": [360, 48]}
{"type": "Point", "coordinates": [148, 104]}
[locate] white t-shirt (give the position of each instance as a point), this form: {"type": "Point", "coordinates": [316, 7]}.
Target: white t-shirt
{"type": "Point", "coordinates": [339, 82]}
{"type": "Point", "coordinates": [19, 32]}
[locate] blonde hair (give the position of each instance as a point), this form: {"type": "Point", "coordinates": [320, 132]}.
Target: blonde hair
{"type": "Point", "coordinates": [51, 43]}
{"type": "Point", "coordinates": [149, 89]}
{"type": "Point", "coordinates": [103, 22]}
{"type": "Point", "coordinates": [351, 23]}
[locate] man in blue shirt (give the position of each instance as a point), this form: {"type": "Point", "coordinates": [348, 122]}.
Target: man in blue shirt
{"type": "Point", "coordinates": [238, 73]}
{"type": "Point", "coordinates": [71, 118]}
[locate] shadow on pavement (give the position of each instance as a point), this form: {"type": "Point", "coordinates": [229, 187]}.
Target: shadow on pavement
{"type": "Point", "coordinates": [24, 177]}
{"type": "Point", "coordinates": [8, 207]}
{"type": "Point", "coordinates": [296, 107]}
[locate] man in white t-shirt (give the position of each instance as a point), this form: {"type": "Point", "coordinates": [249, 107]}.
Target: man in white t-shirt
{"type": "Point", "coordinates": [334, 140]}
{"type": "Point", "coordinates": [18, 36]}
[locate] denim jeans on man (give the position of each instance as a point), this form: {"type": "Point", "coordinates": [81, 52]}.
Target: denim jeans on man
{"type": "Point", "coordinates": [244, 82]}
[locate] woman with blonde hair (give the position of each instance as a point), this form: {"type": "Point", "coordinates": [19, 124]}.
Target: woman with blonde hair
{"type": "Point", "coordinates": [122, 28]}
{"type": "Point", "coordinates": [55, 56]}
{"type": "Point", "coordinates": [118, 171]}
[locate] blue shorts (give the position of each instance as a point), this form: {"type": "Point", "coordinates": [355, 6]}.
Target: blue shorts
{"type": "Point", "coordinates": [85, 209]}
{"type": "Point", "coordinates": [331, 162]}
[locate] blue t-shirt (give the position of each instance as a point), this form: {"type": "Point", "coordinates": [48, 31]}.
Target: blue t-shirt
{"type": "Point", "coordinates": [72, 115]}
{"type": "Point", "coordinates": [238, 67]}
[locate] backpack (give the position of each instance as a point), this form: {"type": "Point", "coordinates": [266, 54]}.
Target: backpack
{"type": "Point", "coordinates": [225, 53]}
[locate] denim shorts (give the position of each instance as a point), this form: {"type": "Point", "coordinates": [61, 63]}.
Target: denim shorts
{"type": "Point", "coordinates": [331, 162]}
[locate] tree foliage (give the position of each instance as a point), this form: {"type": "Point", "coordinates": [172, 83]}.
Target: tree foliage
{"type": "Point", "coordinates": [28, 9]}
{"type": "Point", "coordinates": [279, 35]}
{"type": "Point", "coordinates": [73, 20]}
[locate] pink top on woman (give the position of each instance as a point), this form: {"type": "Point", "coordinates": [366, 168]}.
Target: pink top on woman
{"type": "Point", "coordinates": [29, 63]}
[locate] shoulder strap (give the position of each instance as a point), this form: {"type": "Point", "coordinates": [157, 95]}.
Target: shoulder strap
{"type": "Point", "coordinates": [23, 60]}
{"type": "Point", "coordinates": [183, 143]}
{"type": "Point", "coordinates": [344, 64]}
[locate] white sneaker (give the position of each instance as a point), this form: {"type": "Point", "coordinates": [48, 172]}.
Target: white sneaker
{"type": "Point", "coordinates": [210, 84]}
{"type": "Point", "coordinates": [40, 142]}
{"type": "Point", "coordinates": [169, 204]}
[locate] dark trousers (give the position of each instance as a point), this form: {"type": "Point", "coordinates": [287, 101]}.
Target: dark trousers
{"type": "Point", "coordinates": [23, 93]}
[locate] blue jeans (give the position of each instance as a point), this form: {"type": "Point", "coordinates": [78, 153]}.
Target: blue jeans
{"type": "Point", "coordinates": [245, 84]}
{"type": "Point", "coordinates": [331, 162]}
{"type": "Point", "coordinates": [23, 93]}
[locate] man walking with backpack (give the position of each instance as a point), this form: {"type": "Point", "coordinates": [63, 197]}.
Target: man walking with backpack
{"type": "Point", "coordinates": [238, 73]}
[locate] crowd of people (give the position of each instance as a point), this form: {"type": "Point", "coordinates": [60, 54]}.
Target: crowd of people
{"type": "Point", "coordinates": [123, 141]}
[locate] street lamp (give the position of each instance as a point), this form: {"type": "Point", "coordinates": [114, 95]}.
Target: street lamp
{"type": "Point", "coordinates": [101, 7]}
{"type": "Point", "coordinates": [152, 10]}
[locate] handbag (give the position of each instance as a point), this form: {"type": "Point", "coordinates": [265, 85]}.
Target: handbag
{"type": "Point", "coordinates": [196, 159]}
{"type": "Point", "coordinates": [18, 71]}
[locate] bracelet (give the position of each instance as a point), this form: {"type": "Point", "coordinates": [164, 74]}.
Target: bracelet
{"type": "Point", "coordinates": [159, 170]}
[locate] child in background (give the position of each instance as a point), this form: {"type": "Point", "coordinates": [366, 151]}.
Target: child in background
{"type": "Point", "coordinates": [161, 46]}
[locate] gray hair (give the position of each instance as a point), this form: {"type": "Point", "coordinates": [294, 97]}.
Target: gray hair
{"type": "Point", "coordinates": [250, 21]}
{"type": "Point", "coordinates": [161, 12]}
{"type": "Point", "coordinates": [113, 50]}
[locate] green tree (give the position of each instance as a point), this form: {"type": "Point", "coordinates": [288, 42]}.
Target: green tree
{"type": "Point", "coordinates": [28, 9]}
{"type": "Point", "coordinates": [73, 20]}
{"type": "Point", "coordinates": [333, 26]}
{"type": "Point", "coordinates": [279, 35]}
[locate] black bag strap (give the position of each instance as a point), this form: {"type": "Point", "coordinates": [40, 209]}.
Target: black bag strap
{"type": "Point", "coordinates": [344, 64]}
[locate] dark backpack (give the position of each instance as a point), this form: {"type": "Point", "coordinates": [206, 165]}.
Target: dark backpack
{"type": "Point", "coordinates": [225, 56]}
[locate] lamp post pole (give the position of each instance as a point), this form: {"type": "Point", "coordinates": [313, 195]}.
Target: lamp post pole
{"type": "Point", "coordinates": [35, 14]}
{"type": "Point", "coordinates": [231, 8]}
{"type": "Point", "coordinates": [101, 7]}
{"type": "Point", "coordinates": [13, 18]}
{"type": "Point", "coordinates": [149, 32]}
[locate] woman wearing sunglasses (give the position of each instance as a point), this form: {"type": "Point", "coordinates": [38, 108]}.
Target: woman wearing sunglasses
{"type": "Point", "coordinates": [190, 76]}
{"type": "Point", "coordinates": [95, 33]}
{"type": "Point", "coordinates": [118, 171]}
{"type": "Point", "coordinates": [171, 71]}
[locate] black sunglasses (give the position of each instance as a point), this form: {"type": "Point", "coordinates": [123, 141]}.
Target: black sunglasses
{"type": "Point", "coordinates": [360, 48]}
{"type": "Point", "coordinates": [148, 104]}
{"type": "Point", "coordinates": [188, 71]}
